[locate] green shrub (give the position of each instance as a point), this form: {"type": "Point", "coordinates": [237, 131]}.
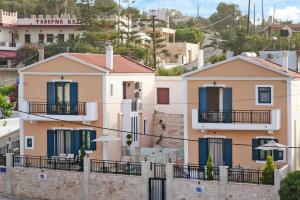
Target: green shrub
{"type": "Point", "coordinates": [290, 186]}
{"type": "Point", "coordinates": [81, 157]}
{"type": "Point", "coordinates": [209, 168]}
{"type": "Point", "coordinates": [267, 175]}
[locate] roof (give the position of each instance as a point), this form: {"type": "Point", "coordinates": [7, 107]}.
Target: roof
{"type": "Point", "coordinates": [122, 64]}
{"type": "Point", "coordinates": [7, 54]}
{"type": "Point", "coordinates": [280, 26]}
{"type": "Point", "coordinates": [256, 61]}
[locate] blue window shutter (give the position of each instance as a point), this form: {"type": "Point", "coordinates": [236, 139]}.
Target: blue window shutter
{"type": "Point", "coordinates": [255, 152]}
{"type": "Point", "coordinates": [50, 97]}
{"type": "Point", "coordinates": [74, 97]}
{"type": "Point", "coordinates": [202, 104]}
{"type": "Point", "coordinates": [203, 151]}
{"type": "Point", "coordinates": [227, 104]}
{"type": "Point", "coordinates": [93, 137]}
{"type": "Point", "coordinates": [51, 143]}
{"type": "Point", "coordinates": [227, 152]}
{"type": "Point", "coordinates": [75, 142]}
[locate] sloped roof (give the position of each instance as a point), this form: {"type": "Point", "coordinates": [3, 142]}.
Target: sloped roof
{"type": "Point", "coordinates": [121, 64]}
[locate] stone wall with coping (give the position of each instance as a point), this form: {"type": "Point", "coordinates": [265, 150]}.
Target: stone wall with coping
{"type": "Point", "coordinates": [2, 182]}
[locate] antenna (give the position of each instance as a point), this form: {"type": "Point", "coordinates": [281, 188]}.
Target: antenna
{"type": "Point", "coordinates": [248, 21]}
{"type": "Point", "coordinates": [198, 10]}
{"type": "Point", "coordinates": [254, 17]}
{"type": "Point", "coordinates": [262, 13]}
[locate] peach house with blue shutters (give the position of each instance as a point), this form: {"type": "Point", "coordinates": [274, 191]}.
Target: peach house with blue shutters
{"type": "Point", "coordinates": [238, 104]}
{"type": "Point", "coordinates": [67, 100]}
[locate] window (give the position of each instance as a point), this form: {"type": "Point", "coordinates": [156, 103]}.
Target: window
{"type": "Point", "coordinates": [61, 37]}
{"type": "Point", "coordinates": [111, 90]}
{"type": "Point", "coordinates": [29, 142]}
{"type": "Point", "coordinates": [71, 36]}
{"type": "Point", "coordinates": [134, 128]}
{"type": "Point", "coordinates": [41, 38]}
{"type": "Point", "coordinates": [261, 155]}
{"type": "Point", "coordinates": [163, 96]}
{"type": "Point", "coordinates": [50, 38]}
{"type": "Point", "coordinates": [27, 38]}
{"type": "Point", "coordinates": [264, 95]}
{"type": "Point", "coordinates": [87, 137]}
{"type": "Point", "coordinates": [145, 126]}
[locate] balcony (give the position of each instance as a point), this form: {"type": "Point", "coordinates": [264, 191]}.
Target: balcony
{"type": "Point", "coordinates": [236, 120]}
{"type": "Point", "coordinates": [8, 46]}
{"type": "Point", "coordinates": [41, 111]}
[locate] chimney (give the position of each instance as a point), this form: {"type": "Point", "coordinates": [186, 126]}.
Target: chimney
{"type": "Point", "coordinates": [201, 58]}
{"type": "Point", "coordinates": [109, 56]}
{"type": "Point", "coordinates": [285, 60]}
{"type": "Point", "coordinates": [41, 54]}
{"type": "Point", "coordinates": [229, 54]}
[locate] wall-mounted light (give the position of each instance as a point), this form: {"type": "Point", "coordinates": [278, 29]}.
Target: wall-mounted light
{"type": "Point", "coordinates": [62, 78]}
{"type": "Point", "coordinates": [215, 83]}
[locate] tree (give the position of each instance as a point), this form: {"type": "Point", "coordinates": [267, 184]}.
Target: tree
{"type": "Point", "coordinates": [215, 58]}
{"type": "Point", "coordinates": [209, 168]}
{"type": "Point", "coordinates": [192, 35]}
{"type": "Point", "coordinates": [6, 105]}
{"type": "Point", "coordinates": [268, 172]}
{"type": "Point", "coordinates": [27, 55]}
{"type": "Point", "coordinates": [290, 186]}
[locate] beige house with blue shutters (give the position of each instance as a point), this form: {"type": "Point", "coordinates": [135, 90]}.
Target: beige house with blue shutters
{"type": "Point", "coordinates": [238, 104]}
{"type": "Point", "coordinates": [67, 100]}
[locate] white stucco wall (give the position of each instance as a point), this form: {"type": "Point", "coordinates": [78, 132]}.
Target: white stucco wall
{"type": "Point", "coordinates": [176, 94]}
{"type": "Point", "coordinates": [295, 123]}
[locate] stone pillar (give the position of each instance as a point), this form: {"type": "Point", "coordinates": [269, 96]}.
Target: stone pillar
{"type": "Point", "coordinates": [146, 174]}
{"type": "Point", "coordinates": [8, 176]}
{"type": "Point", "coordinates": [169, 180]}
{"type": "Point", "coordinates": [86, 172]}
{"type": "Point", "coordinates": [278, 176]}
{"type": "Point", "coordinates": [223, 181]}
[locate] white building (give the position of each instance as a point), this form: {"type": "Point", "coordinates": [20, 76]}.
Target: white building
{"type": "Point", "coordinates": [276, 57]}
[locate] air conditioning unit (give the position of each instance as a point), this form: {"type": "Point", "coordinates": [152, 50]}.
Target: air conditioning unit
{"type": "Point", "coordinates": [270, 55]}
{"type": "Point", "coordinates": [138, 85]}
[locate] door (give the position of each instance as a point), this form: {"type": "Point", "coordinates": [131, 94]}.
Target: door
{"type": "Point", "coordinates": [157, 188]}
{"type": "Point", "coordinates": [63, 97]}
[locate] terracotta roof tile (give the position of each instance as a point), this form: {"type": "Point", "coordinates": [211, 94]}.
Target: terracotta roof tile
{"type": "Point", "coordinates": [121, 64]}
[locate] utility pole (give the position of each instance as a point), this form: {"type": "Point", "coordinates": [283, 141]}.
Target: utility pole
{"type": "Point", "coordinates": [248, 21]}
{"type": "Point", "coordinates": [262, 14]}
{"type": "Point", "coordinates": [119, 15]}
{"type": "Point", "coordinates": [254, 18]}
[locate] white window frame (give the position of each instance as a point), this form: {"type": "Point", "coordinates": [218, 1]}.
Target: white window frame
{"type": "Point", "coordinates": [263, 161]}
{"type": "Point", "coordinates": [256, 95]}
{"type": "Point", "coordinates": [32, 139]}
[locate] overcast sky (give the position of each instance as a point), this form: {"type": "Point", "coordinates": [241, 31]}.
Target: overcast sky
{"type": "Point", "coordinates": [284, 9]}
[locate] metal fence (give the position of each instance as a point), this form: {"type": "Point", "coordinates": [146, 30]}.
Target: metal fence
{"type": "Point", "coordinates": [2, 160]}
{"type": "Point", "coordinates": [159, 170]}
{"type": "Point", "coordinates": [251, 176]}
{"type": "Point", "coordinates": [57, 109]}
{"type": "Point", "coordinates": [47, 163]}
{"type": "Point", "coordinates": [195, 172]}
{"type": "Point", "coordinates": [115, 167]}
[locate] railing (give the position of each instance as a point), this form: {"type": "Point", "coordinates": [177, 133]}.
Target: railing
{"type": "Point", "coordinates": [250, 176]}
{"type": "Point", "coordinates": [115, 167]}
{"type": "Point", "coordinates": [236, 116]}
{"type": "Point", "coordinates": [195, 172]}
{"type": "Point", "coordinates": [47, 163]}
{"type": "Point", "coordinates": [159, 170]}
{"type": "Point", "coordinates": [58, 109]}
{"type": "Point", "coordinates": [2, 160]}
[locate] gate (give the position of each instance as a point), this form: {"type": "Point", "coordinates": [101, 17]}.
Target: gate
{"type": "Point", "coordinates": [157, 188]}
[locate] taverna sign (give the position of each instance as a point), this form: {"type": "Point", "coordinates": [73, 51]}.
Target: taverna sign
{"type": "Point", "coordinates": [56, 22]}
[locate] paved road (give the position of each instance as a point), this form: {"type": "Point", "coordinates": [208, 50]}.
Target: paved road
{"type": "Point", "coordinates": [9, 197]}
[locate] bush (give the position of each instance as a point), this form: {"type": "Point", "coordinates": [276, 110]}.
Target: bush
{"type": "Point", "coordinates": [209, 168]}
{"type": "Point", "coordinates": [81, 157]}
{"type": "Point", "coordinates": [290, 186]}
{"type": "Point", "coordinates": [268, 173]}
{"type": "Point", "coordinates": [214, 59]}
{"type": "Point", "coordinates": [175, 71]}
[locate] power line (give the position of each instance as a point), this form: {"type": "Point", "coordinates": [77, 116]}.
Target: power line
{"type": "Point", "coordinates": [131, 132]}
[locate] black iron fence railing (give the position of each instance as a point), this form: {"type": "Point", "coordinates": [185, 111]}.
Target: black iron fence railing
{"type": "Point", "coordinates": [195, 172]}
{"type": "Point", "coordinates": [47, 163]}
{"type": "Point", "coordinates": [115, 167]}
{"type": "Point", "coordinates": [251, 176]}
{"type": "Point", "coordinates": [2, 160]}
{"type": "Point", "coordinates": [159, 170]}
{"type": "Point", "coordinates": [236, 116]}
{"type": "Point", "coordinates": [57, 109]}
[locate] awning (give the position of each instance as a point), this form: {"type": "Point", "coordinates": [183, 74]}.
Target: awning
{"type": "Point", "coordinates": [7, 54]}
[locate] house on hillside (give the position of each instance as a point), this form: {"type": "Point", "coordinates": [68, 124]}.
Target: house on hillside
{"type": "Point", "coordinates": [69, 100]}
{"type": "Point", "coordinates": [237, 105]}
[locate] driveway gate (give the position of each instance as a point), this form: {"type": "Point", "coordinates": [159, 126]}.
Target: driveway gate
{"type": "Point", "coordinates": [157, 188]}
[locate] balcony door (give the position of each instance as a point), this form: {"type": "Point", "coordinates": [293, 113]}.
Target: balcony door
{"type": "Point", "coordinates": [62, 98]}
{"type": "Point", "coordinates": [215, 105]}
